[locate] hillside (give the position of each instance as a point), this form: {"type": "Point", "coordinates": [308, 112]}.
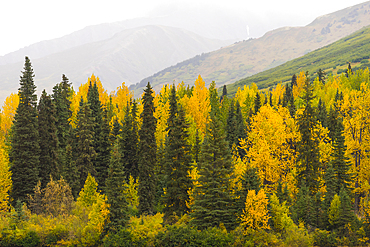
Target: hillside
{"type": "Point", "coordinates": [276, 47]}
{"type": "Point", "coordinates": [128, 56]}
{"type": "Point", "coordinates": [333, 59]}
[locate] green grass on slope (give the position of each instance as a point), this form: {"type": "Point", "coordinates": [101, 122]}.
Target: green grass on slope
{"type": "Point", "coordinates": [354, 48]}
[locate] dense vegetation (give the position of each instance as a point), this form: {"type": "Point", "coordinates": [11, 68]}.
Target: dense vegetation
{"type": "Point", "coordinates": [332, 59]}
{"type": "Point", "coordinates": [185, 167]}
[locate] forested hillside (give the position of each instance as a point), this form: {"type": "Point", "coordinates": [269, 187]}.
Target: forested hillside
{"type": "Point", "coordinates": [331, 59]}
{"type": "Point", "coordinates": [185, 167]}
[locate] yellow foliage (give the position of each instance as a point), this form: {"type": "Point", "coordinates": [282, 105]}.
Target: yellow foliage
{"type": "Point", "coordinates": [280, 214]}
{"type": "Point", "coordinates": [194, 175]}
{"type": "Point", "coordinates": [8, 112]}
{"type": "Point", "coordinates": [246, 98]}
{"type": "Point", "coordinates": [355, 109]}
{"type": "Point", "coordinates": [298, 89]}
{"type": "Point", "coordinates": [198, 105]}
{"type": "Point", "coordinates": [268, 147]}
{"type": "Point", "coordinates": [278, 93]}
{"type": "Point", "coordinates": [255, 215]}
{"type": "Point", "coordinates": [162, 111]}
{"type": "Point", "coordinates": [131, 192]}
{"type": "Point", "coordinates": [146, 226]}
{"type": "Point", "coordinates": [5, 181]}
{"type": "Point", "coordinates": [334, 210]}
{"type": "Point", "coordinates": [120, 99]}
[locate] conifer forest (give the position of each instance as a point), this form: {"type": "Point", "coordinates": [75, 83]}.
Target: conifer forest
{"type": "Point", "coordinates": [187, 166]}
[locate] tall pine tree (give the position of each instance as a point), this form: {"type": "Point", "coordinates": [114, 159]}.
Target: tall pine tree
{"type": "Point", "coordinates": [100, 132]}
{"type": "Point", "coordinates": [147, 154]}
{"type": "Point", "coordinates": [25, 149]}
{"type": "Point", "coordinates": [177, 161]}
{"type": "Point", "coordinates": [213, 201]}
{"type": "Point", "coordinates": [308, 158]}
{"type": "Point", "coordinates": [118, 209]}
{"type": "Point", "coordinates": [61, 99]}
{"type": "Point", "coordinates": [84, 149]}
{"type": "Point", "coordinates": [339, 161]}
{"type": "Point", "coordinates": [48, 140]}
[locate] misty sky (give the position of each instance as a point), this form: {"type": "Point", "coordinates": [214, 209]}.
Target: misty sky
{"type": "Point", "coordinates": [24, 22]}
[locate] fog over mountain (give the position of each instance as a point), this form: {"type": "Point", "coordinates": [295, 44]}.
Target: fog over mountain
{"type": "Point", "coordinates": [128, 56]}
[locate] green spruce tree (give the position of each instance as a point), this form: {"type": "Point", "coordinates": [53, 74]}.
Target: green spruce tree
{"type": "Point", "coordinates": [147, 154]}
{"type": "Point", "coordinates": [100, 133]}
{"type": "Point", "coordinates": [177, 161]}
{"type": "Point", "coordinates": [118, 207]}
{"type": "Point", "coordinates": [322, 114]}
{"type": "Point", "coordinates": [331, 190]}
{"type": "Point", "coordinates": [308, 158]}
{"type": "Point", "coordinates": [48, 140]}
{"type": "Point", "coordinates": [257, 103]}
{"type": "Point", "coordinates": [84, 147]}
{"type": "Point", "coordinates": [25, 149]}
{"type": "Point", "coordinates": [213, 201]}
{"type": "Point", "coordinates": [62, 93]}
{"type": "Point", "coordinates": [339, 161]}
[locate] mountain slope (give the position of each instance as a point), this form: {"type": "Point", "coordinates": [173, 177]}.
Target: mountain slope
{"type": "Point", "coordinates": [332, 59]}
{"type": "Point", "coordinates": [249, 57]}
{"type": "Point", "coordinates": [128, 56]}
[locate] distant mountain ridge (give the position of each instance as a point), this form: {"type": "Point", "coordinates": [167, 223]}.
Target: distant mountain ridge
{"type": "Point", "coordinates": [128, 56]}
{"type": "Point", "coordinates": [249, 57]}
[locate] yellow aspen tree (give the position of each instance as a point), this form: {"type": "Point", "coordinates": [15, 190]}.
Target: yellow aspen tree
{"type": "Point", "coordinates": [8, 112]}
{"type": "Point", "coordinates": [355, 110]}
{"type": "Point", "coordinates": [120, 98]}
{"type": "Point", "coordinates": [299, 88]}
{"type": "Point", "coordinates": [278, 94]}
{"type": "Point", "coordinates": [255, 215]}
{"type": "Point", "coordinates": [246, 98]}
{"type": "Point", "coordinates": [5, 181]}
{"type": "Point", "coordinates": [198, 105]}
{"type": "Point", "coordinates": [268, 145]}
{"type": "Point", "coordinates": [162, 110]}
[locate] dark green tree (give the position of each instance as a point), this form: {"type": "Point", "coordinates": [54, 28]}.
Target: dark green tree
{"type": "Point", "coordinates": [48, 140]}
{"type": "Point", "coordinates": [116, 131]}
{"type": "Point", "coordinates": [347, 215]}
{"type": "Point", "coordinates": [213, 202]}
{"type": "Point", "coordinates": [322, 114]}
{"type": "Point", "coordinates": [308, 158]}
{"type": "Point", "coordinates": [339, 161]}
{"type": "Point", "coordinates": [302, 208]}
{"type": "Point", "coordinates": [257, 103]}
{"type": "Point", "coordinates": [147, 154]}
{"type": "Point", "coordinates": [129, 142]}
{"type": "Point", "coordinates": [84, 149]}
{"type": "Point", "coordinates": [235, 127]}
{"type": "Point", "coordinates": [331, 190]}
{"type": "Point", "coordinates": [197, 146]}
{"type": "Point", "coordinates": [100, 133]}
{"type": "Point", "coordinates": [349, 70]}
{"type": "Point", "coordinates": [332, 122]}
{"type": "Point", "coordinates": [70, 171]}
{"type": "Point", "coordinates": [177, 161]}
{"type": "Point", "coordinates": [118, 207]}
{"type": "Point", "coordinates": [322, 76]}
{"type": "Point", "coordinates": [316, 216]}
{"type": "Point", "coordinates": [25, 150]}
{"type": "Point", "coordinates": [61, 99]}
{"type": "Point", "coordinates": [224, 93]}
